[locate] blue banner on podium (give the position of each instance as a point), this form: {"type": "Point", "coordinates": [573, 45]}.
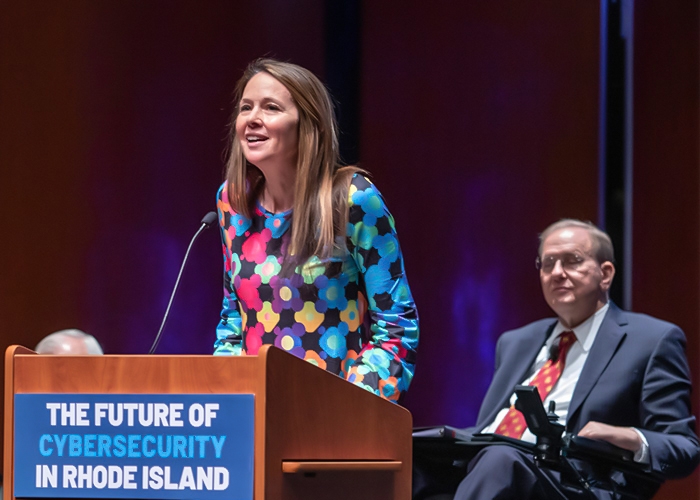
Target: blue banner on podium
{"type": "Point", "coordinates": [161, 446]}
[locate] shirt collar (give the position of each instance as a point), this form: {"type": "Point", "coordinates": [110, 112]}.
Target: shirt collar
{"type": "Point", "coordinates": [585, 332]}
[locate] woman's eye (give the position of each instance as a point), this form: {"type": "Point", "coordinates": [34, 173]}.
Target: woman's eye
{"type": "Point", "coordinates": [273, 107]}
{"type": "Point", "coordinates": [244, 107]}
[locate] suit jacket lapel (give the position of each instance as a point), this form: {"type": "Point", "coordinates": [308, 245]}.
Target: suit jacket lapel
{"type": "Point", "coordinates": [528, 348]}
{"type": "Point", "coordinates": [609, 337]}
{"type": "Point", "coordinates": [516, 365]}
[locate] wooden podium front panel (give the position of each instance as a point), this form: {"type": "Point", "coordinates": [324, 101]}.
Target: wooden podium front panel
{"type": "Point", "coordinates": [27, 372]}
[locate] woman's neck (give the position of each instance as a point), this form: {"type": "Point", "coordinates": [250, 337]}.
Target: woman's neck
{"type": "Point", "coordinates": [278, 192]}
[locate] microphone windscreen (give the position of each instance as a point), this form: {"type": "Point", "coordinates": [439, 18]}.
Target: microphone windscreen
{"type": "Point", "coordinates": [209, 219]}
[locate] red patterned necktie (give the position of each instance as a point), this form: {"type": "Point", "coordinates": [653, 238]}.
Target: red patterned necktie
{"type": "Point", "coordinates": [513, 424]}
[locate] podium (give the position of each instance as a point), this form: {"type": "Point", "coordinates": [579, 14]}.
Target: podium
{"type": "Point", "coordinates": [316, 436]}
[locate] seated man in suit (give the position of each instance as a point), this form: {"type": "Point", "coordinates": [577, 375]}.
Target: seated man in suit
{"type": "Point", "coordinates": [615, 376]}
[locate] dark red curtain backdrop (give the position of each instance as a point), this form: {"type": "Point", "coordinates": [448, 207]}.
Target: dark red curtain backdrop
{"type": "Point", "coordinates": [666, 260]}
{"type": "Point", "coordinates": [114, 124]}
{"type": "Point", "coordinates": [479, 122]}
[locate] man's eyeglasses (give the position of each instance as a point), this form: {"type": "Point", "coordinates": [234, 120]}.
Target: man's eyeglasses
{"type": "Point", "coordinates": [569, 262]}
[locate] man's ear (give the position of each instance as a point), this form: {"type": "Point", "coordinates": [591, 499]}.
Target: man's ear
{"type": "Point", "coordinates": [608, 270]}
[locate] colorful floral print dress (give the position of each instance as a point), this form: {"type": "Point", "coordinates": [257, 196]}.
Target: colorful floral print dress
{"type": "Point", "coordinates": [353, 316]}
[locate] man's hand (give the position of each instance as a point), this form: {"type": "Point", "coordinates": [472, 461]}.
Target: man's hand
{"type": "Point", "coordinates": [624, 437]}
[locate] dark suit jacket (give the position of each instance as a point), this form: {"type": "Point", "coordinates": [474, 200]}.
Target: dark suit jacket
{"type": "Point", "coordinates": [636, 375]}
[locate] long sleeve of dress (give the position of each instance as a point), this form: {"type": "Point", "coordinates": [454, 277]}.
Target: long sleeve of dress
{"type": "Point", "coordinates": [386, 363]}
{"type": "Point", "coordinates": [229, 340]}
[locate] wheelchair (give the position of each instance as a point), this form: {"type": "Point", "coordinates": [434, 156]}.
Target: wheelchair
{"type": "Point", "coordinates": [441, 456]}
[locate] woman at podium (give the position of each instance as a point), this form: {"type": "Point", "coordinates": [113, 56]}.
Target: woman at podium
{"type": "Point", "coordinates": [312, 263]}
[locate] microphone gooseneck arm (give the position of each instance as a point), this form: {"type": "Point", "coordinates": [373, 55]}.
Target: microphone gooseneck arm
{"type": "Point", "coordinates": [207, 221]}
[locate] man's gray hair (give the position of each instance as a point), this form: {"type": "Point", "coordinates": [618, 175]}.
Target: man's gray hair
{"type": "Point", "coordinates": [54, 343]}
{"type": "Point", "coordinates": [602, 245]}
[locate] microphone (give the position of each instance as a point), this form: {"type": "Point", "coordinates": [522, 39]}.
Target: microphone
{"type": "Point", "coordinates": [207, 221]}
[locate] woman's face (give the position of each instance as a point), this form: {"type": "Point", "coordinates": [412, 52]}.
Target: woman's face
{"type": "Point", "coordinates": [267, 123]}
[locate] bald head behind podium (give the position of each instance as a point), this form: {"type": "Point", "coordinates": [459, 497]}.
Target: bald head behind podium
{"type": "Point", "coordinates": [69, 343]}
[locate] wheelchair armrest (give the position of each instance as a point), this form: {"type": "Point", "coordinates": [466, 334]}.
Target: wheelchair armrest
{"type": "Point", "coordinates": [578, 445]}
{"type": "Point", "coordinates": [608, 455]}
